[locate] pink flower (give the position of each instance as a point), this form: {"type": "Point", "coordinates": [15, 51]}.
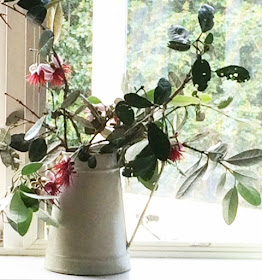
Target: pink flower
{"type": "Point", "coordinates": [60, 69]}
{"type": "Point", "coordinates": [101, 108]}
{"type": "Point", "coordinates": [176, 152]}
{"type": "Point", "coordinates": [58, 78]}
{"type": "Point", "coordinates": [40, 74]}
{"type": "Point", "coordinates": [51, 187]}
{"type": "Point", "coordinates": [64, 171]}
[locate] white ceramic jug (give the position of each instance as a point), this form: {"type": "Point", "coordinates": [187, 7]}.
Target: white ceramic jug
{"type": "Point", "coordinates": [91, 238]}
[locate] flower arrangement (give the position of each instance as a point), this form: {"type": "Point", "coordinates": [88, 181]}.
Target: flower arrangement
{"type": "Point", "coordinates": [141, 121]}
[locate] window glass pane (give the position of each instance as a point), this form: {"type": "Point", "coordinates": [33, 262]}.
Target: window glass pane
{"type": "Point", "coordinates": [75, 48]}
{"type": "Point", "coordinates": [237, 41]}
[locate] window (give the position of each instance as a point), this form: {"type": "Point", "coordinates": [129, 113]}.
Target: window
{"type": "Point", "coordinates": [197, 220]}
{"type": "Point", "coordinates": [194, 225]}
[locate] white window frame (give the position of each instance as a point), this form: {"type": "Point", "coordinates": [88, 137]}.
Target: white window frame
{"type": "Point", "coordinates": [109, 49]}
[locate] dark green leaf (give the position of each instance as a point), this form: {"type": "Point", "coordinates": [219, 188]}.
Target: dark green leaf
{"type": "Point", "coordinates": [28, 201]}
{"type": "Point", "coordinates": [162, 91]}
{"type": "Point", "coordinates": [205, 17]}
{"type": "Point", "coordinates": [150, 184]}
{"type": "Point", "coordinates": [246, 158]}
{"type": "Point", "coordinates": [230, 205]}
{"type": "Point", "coordinates": [37, 14]}
{"type": "Point", "coordinates": [201, 73]}
{"type": "Point", "coordinates": [18, 142]}
{"type": "Point", "coordinates": [31, 168]}
{"type": "Point", "coordinates": [144, 164]}
{"type": "Point", "coordinates": [223, 104]}
{"type": "Point", "coordinates": [18, 210]}
{"type": "Point", "coordinates": [91, 162]}
{"type": "Point", "coordinates": [178, 38]}
{"type": "Point", "coordinates": [192, 181]}
{"type": "Point", "coordinates": [37, 150]}
{"type": "Point", "coordinates": [235, 73]}
{"type": "Point", "coordinates": [33, 131]}
{"type": "Point", "coordinates": [158, 141]}
{"type": "Point", "coordinates": [108, 148]}
{"type": "Point", "coordinates": [71, 98]}
{"type": "Point", "coordinates": [46, 42]}
{"type": "Point", "coordinates": [22, 227]}
{"type": "Point", "coordinates": [28, 4]}
{"type": "Point", "coordinates": [250, 194]}
{"type": "Point", "coordinates": [137, 101]}
{"type": "Point", "coordinates": [117, 137]}
{"type": "Point", "coordinates": [125, 113]}
{"type": "Point", "coordinates": [209, 39]}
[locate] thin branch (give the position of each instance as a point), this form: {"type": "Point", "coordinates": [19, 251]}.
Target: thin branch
{"type": "Point", "coordinates": [21, 103]}
{"type": "Point", "coordinates": [4, 20]}
{"type": "Point", "coordinates": [14, 9]}
{"type": "Point", "coordinates": [146, 207]}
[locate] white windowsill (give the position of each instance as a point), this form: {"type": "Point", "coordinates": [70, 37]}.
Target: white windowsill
{"type": "Point", "coordinates": [142, 269]}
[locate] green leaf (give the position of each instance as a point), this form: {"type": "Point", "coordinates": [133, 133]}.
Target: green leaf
{"type": "Point", "coordinates": [162, 91]}
{"type": "Point", "coordinates": [223, 104]}
{"type": "Point", "coordinates": [192, 181]}
{"type": "Point", "coordinates": [71, 98]}
{"type": "Point", "coordinates": [246, 158]}
{"type": "Point", "coordinates": [94, 100]}
{"type": "Point", "coordinates": [46, 42]}
{"type": "Point", "coordinates": [33, 131]}
{"type": "Point", "coordinates": [83, 122]}
{"type": "Point", "coordinates": [183, 100]}
{"type": "Point", "coordinates": [245, 177]}
{"type": "Point", "coordinates": [37, 150]}
{"type": "Point", "coordinates": [149, 95]}
{"type": "Point", "coordinates": [31, 168]}
{"type": "Point", "coordinates": [137, 101]}
{"type": "Point", "coordinates": [37, 14]}
{"type": "Point", "coordinates": [44, 216]}
{"type": "Point", "coordinates": [28, 201]}
{"type": "Point", "coordinates": [221, 182]}
{"type": "Point", "coordinates": [206, 98]}
{"type": "Point", "coordinates": [209, 39]}
{"type": "Point", "coordinates": [230, 205]}
{"type": "Point", "coordinates": [19, 143]}
{"type": "Point", "coordinates": [18, 210]}
{"type": "Point", "coordinates": [234, 72]}
{"type": "Point", "coordinates": [250, 194]}
{"type": "Point", "coordinates": [22, 227]}
{"type": "Point", "coordinates": [125, 113]}
{"type": "Point", "coordinates": [159, 142]}
{"type": "Point", "coordinates": [205, 17]}
{"type": "Point", "coordinates": [14, 117]}
{"type": "Point", "coordinates": [201, 73]}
